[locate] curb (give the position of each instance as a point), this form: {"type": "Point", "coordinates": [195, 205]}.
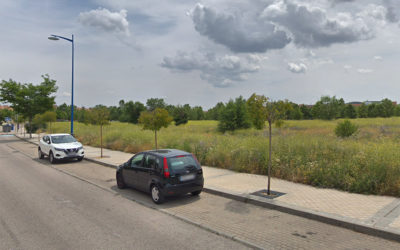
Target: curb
{"type": "Point", "coordinates": [330, 219]}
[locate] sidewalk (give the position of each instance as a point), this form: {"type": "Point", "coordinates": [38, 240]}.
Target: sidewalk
{"type": "Point", "coordinates": [374, 215]}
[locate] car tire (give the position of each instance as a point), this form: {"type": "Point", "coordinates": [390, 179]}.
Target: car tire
{"type": "Point", "coordinates": [195, 193]}
{"type": "Point", "coordinates": [156, 194]}
{"type": "Point", "coordinates": [40, 154]}
{"type": "Point", "coordinates": [79, 158]}
{"type": "Point", "coordinates": [120, 181]}
{"type": "Point", "coordinates": [51, 158]}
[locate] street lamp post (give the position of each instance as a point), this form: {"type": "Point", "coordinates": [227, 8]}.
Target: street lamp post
{"type": "Point", "coordinates": [55, 38]}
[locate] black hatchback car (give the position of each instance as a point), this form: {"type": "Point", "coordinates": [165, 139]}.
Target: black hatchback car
{"type": "Point", "coordinates": [164, 172]}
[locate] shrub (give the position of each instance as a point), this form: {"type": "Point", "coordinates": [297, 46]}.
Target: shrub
{"type": "Point", "coordinates": [345, 129]}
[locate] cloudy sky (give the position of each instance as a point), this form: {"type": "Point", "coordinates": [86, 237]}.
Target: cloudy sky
{"type": "Point", "coordinates": [203, 52]}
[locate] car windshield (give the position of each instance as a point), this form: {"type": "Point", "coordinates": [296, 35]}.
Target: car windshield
{"type": "Point", "coordinates": [182, 162]}
{"type": "Point", "coordinates": [57, 139]}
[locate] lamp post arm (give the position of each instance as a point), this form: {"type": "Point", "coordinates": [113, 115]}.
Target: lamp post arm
{"type": "Point", "coordinates": [61, 37]}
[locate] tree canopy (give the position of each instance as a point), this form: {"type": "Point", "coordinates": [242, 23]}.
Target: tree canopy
{"type": "Point", "coordinates": [28, 99]}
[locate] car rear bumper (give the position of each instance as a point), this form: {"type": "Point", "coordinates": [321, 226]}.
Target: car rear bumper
{"type": "Point", "coordinates": [179, 189]}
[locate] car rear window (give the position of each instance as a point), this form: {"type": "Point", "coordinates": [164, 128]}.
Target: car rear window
{"type": "Point", "coordinates": [181, 162]}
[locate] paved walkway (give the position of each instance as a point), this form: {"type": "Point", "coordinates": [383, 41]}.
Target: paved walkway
{"type": "Point", "coordinates": [375, 215]}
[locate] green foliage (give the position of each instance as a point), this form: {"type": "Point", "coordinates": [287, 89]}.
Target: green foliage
{"type": "Point", "coordinates": [155, 120]}
{"type": "Point", "coordinates": [234, 116]}
{"type": "Point", "coordinates": [5, 113]}
{"type": "Point", "coordinates": [28, 99]}
{"type": "Point", "coordinates": [345, 129]}
{"type": "Point", "coordinates": [262, 109]}
{"type": "Point", "coordinates": [99, 115]}
{"type": "Point", "coordinates": [350, 111]}
{"type": "Point", "coordinates": [304, 151]}
{"type": "Point", "coordinates": [363, 111]}
{"type": "Point", "coordinates": [180, 115]}
{"type": "Point", "coordinates": [154, 103]}
{"type": "Point", "coordinates": [328, 108]}
{"type": "Point", "coordinates": [387, 108]}
{"type": "Point", "coordinates": [215, 112]}
{"type": "Point", "coordinates": [294, 112]}
{"type": "Point", "coordinates": [49, 117]}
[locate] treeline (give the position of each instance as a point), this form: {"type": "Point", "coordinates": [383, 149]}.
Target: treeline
{"type": "Point", "coordinates": [327, 108]}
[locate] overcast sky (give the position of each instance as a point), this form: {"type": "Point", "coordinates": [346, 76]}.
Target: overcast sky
{"type": "Point", "coordinates": [203, 52]}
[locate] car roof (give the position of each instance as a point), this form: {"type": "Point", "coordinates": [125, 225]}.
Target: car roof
{"type": "Point", "coordinates": [167, 152]}
{"type": "Point", "coordinates": [57, 134]}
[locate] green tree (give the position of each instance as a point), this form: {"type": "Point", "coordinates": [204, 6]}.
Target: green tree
{"type": "Point", "coordinates": [397, 110]}
{"type": "Point", "coordinates": [263, 109]}
{"type": "Point", "coordinates": [306, 111]}
{"type": "Point", "coordinates": [350, 111]}
{"type": "Point", "coordinates": [155, 120]}
{"type": "Point", "coordinates": [373, 110]}
{"type": "Point", "coordinates": [63, 112]}
{"type": "Point", "coordinates": [180, 115]}
{"type": "Point", "coordinates": [387, 108]}
{"type": "Point", "coordinates": [362, 111]}
{"type": "Point", "coordinates": [215, 112]}
{"type": "Point", "coordinates": [99, 115]}
{"type": "Point", "coordinates": [28, 99]}
{"type": "Point", "coordinates": [49, 117]}
{"type": "Point", "coordinates": [154, 103]}
{"type": "Point", "coordinates": [234, 116]}
{"type": "Point", "coordinates": [294, 113]}
{"type": "Point", "coordinates": [5, 113]}
{"type": "Point", "coordinates": [327, 108]}
{"type": "Point", "coordinates": [345, 129]}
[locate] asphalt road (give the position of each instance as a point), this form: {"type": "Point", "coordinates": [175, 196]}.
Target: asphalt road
{"type": "Point", "coordinates": [76, 205]}
{"type": "Point", "coordinates": [42, 208]}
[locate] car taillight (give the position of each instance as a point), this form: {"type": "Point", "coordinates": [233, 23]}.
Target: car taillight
{"type": "Point", "coordinates": [166, 170]}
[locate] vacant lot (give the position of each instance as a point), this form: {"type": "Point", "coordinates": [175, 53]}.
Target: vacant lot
{"type": "Point", "coordinates": [303, 151]}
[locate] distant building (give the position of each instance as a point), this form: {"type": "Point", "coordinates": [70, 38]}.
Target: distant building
{"type": "Point", "coordinates": [355, 104]}
{"type": "Point", "coordinates": [5, 107]}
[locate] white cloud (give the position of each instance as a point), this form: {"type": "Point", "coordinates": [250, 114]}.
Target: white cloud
{"type": "Point", "coordinates": [311, 26]}
{"type": "Point", "coordinates": [297, 68]}
{"type": "Point", "coordinates": [106, 20]}
{"type": "Point", "coordinates": [364, 71]}
{"type": "Point", "coordinates": [239, 32]}
{"type": "Point", "coordinates": [67, 94]}
{"type": "Point", "coordinates": [276, 24]}
{"type": "Point", "coordinates": [220, 71]}
{"type": "Point", "coordinates": [378, 58]}
{"type": "Point", "coordinates": [347, 67]}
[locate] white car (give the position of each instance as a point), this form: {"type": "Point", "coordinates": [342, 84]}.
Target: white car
{"type": "Point", "coordinates": [60, 146]}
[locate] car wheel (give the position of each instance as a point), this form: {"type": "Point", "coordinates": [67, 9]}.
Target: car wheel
{"type": "Point", "coordinates": [79, 158]}
{"type": "Point", "coordinates": [120, 181]}
{"type": "Point", "coordinates": [156, 195]}
{"type": "Point", "coordinates": [195, 193]}
{"type": "Point", "coordinates": [51, 158]}
{"type": "Point", "coordinates": [40, 154]}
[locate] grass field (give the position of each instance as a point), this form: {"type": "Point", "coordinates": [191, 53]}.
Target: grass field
{"type": "Point", "coordinates": [303, 151]}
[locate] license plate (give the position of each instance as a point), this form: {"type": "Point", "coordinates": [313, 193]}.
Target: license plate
{"type": "Point", "coordinates": [187, 177]}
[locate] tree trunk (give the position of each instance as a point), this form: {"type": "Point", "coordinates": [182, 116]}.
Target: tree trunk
{"type": "Point", "coordinates": [269, 159]}
{"type": "Point", "coordinates": [155, 137]}
{"type": "Point", "coordinates": [101, 141]}
{"type": "Point", "coordinates": [30, 129]}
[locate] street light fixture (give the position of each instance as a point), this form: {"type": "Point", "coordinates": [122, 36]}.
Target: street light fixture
{"type": "Point", "coordinates": [55, 38]}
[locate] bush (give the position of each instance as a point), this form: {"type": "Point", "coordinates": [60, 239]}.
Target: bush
{"type": "Point", "coordinates": [345, 129]}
